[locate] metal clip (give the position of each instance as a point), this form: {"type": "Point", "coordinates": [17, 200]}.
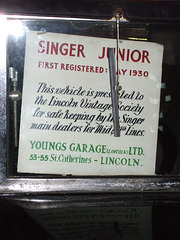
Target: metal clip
{"type": "Point", "coordinates": [114, 79]}
{"type": "Point", "coordinates": [114, 92]}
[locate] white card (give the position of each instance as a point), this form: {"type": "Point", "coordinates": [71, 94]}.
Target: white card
{"type": "Point", "coordinates": [66, 119]}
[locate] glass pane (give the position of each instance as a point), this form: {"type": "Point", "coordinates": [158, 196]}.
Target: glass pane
{"type": "Point", "coordinates": [166, 34]}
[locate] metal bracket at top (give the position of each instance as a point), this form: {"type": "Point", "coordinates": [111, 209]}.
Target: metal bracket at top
{"type": "Point", "coordinates": [120, 12]}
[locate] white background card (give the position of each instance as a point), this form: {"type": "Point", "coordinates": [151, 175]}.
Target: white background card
{"type": "Point", "coordinates": [66, 120]}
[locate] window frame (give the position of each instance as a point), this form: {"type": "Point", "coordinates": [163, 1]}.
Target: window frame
{"type": "Point", "coordinates": [31, 185]}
